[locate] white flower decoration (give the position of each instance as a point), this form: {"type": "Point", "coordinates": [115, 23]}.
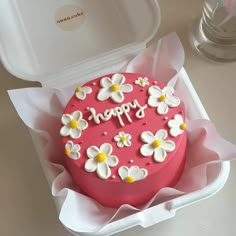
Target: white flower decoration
{"type": "Point", "coordinates": [142, 81]}
{"type": "Point", "coordinates": [162, 99]}
{"type": "Point", "coordinates": [132, 174]}
{"type": "Point", "coordinates": [156, 144]}
{"type": "Point", "coordinates": [177, 125]}
{"type": "Point", "coordinates": [72, 150]}
{"type": "Point", "coordinates": [123, 139]}
{"type": "Point", "coordinates": [114, 88]}
{"type": "Point", "coordinates": [100, 159]}
{"type": "Point", "coordinates": [73, 124]}
{"type": "Point", "coordinates": [81, 92]}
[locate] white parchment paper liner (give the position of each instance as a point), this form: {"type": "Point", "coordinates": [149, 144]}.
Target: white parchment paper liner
{"type": "Point", "coordinates": [41, 110]}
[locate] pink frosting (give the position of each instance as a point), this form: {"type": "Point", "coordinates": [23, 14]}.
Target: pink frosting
{"type": "Point", "coordinates": [113, 192]}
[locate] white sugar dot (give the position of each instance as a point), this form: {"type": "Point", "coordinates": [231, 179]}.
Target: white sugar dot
{"type": "Point", "coordinates": [113, 176]}
{"type": "Point", "coordinates": [94, 83]}
{"type": "Point", "coordinates": [166, 118]}
{"type": "Point", "coordinates": [105, 133]}
{"type": "Point", "coordinates": [131, 161]}
{"type": "Point", "coordinates": [155, 82]}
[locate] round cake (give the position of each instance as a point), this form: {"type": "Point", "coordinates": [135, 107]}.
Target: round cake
{"type": "Point", "coordinates": [124, 138]}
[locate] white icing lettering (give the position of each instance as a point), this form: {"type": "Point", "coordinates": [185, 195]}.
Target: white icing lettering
{"type": "Point", "coordinates": [118, 113]}
{"type": "Point", "coordinates": [124, 109]}
{"type": "Point", "coordinates": [107, 114]}
{"type": "Point", "coordinates": [94, 115]}
{"type": "Point", "coordinates": [140, 113]}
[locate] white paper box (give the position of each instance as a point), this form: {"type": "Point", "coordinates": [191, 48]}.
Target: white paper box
{"type": "Point", "coordinates": [35, 46]}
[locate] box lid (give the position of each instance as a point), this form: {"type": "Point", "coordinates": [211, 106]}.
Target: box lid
{"type": "Point", "coordinates": [57, 41]}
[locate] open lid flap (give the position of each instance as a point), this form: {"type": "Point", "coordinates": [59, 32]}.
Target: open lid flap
{"type": "Point", "coordinates": [52, 41]}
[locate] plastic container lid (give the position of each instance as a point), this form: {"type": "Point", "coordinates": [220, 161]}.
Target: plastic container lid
{"type": "Point", "coordinates": [52, 41]}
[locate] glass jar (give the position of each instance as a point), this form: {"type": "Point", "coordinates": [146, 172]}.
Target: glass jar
{"type": "Point", "coordinates": [214, 35]}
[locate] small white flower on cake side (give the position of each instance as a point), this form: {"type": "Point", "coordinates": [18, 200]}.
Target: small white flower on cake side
{"type": "Point", "coordinates": [81, 92]}
{"type": "Point", "coordinates": [100, 160]}
{"type": "Point", "coordinates": [162, 99]}
{"type": "Point", "coordinates": [156, 144]}
{"type": "Point", "coordinates": [142, 81]}
{"type": "Point", "coordinates": [72, 150]}
{"type": "Point", "coordinates": [177, 125]}
{"type": "Point", "coordinates": [114, 88]}
{"type": "Point", "coordinates": [123, 140]}
{"type": "Point", "coordinates": [132, 174]}
{"type": "Point", "coordinates": [73, 124]}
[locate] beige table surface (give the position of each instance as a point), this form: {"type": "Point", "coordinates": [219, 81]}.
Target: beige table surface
{"type": "Point", "coordinates": [26, 206]}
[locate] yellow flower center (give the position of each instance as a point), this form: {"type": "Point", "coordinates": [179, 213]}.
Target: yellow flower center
{"type": "Point", "coordinates": [142, 82]}
{"type": "Point", "coordinates": [123, 139]}
{"type": "Point", "coordinates": [78, 89]}
{"type": "Point", "coordinates": [74, 124]}
{"type": "Point", "coordinates": [101, 157]}
{"type": "Point", "coordinates": [183, 126]}
{"type": "Point", "coordinates": [156, 143]}
{"type": "Point", "coordinates": [67, 152]}
{"type": "Point", "coordinates": [115, 87]}
{"type": "Point", "coordinates": [162, 98]}
{"type": "Point", "coordinates": [129, 179]}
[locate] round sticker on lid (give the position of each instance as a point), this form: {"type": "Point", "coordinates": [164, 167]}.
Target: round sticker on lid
{"type": "Point", "coordinates": [69, 17]}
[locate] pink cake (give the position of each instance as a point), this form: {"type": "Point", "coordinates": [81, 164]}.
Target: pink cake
{"type": "Point", "coordinates": [124, 138]}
